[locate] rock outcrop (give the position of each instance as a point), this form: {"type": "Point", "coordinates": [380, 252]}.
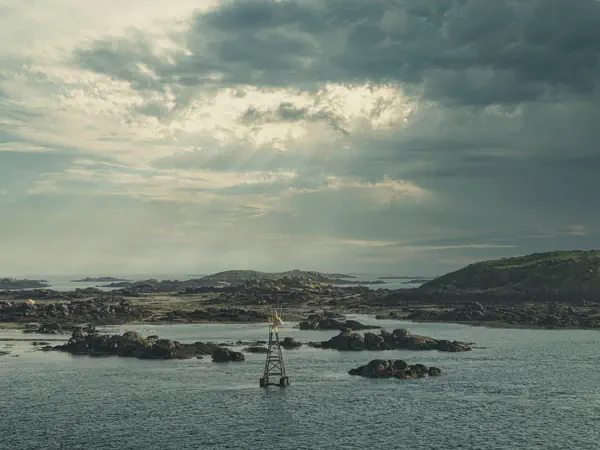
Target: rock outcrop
{"type": "Point", "coordinates": [399, 339]}
{"type": "Point", "coordinates": [132, 344]}
{"type": "Point", "coordinates": [381, 368]}
{"type": "Point", "coordinates": [290, 343]}
{"type": "Point", "coordinates": [225, 355]}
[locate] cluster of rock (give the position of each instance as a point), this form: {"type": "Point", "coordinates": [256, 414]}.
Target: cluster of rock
{"type": "Point", "coordinates": [212, 314]}
{"type": "Point", "coordinates": [96, 311]}
{"type": "Point", "coordinates": [534, 315]}
{"type": "Point", "coordinates": [381, 368]}
{"type": "Point", "coordinates": [332, 321]}
{"type": "Point", "coordinates": [132, 344]}
{"type": "Point", "coordinates": [399, 339]}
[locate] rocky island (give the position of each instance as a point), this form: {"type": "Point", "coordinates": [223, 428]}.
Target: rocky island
{"type": "Point", "coordinates": [380, 368]}
{"type": "Point", "coordinates": [399, 339]}
{"type": "Point", "coordinates": [15, 284]}
{"type": "Point", "coordinates": [98, 280]}
{"type": "Point", "coordinates": [132, 344]}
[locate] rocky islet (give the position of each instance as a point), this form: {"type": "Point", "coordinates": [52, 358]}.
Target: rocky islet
{"type": "Point", "coordinates": [381, 368]}
{"type": "Point", "coordinates": [399, 339]}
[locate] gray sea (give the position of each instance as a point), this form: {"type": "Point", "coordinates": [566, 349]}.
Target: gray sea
{"type": "Point", "coordinates": [518, 389]}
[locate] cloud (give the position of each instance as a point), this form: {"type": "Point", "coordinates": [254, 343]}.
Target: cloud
{"type": "Point", "coordinates": [334, 132]}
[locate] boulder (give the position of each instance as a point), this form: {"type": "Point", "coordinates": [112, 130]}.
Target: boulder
{"type": "Point", "coordinates": [290, 343]}
{"type": "Point", "coordinates": [225, 355]}
{"type": "Point", "coordinates": [434, 371]}
{"type": "Point", "coordinates": [401, 333]}
{"type": "Point", "coordinates": [131, 344]}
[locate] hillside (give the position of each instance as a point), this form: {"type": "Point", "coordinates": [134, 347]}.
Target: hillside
{"type": "Point", "coordinates": [566, 270]}
{"type": "Point", "coordinates": [571, 277]}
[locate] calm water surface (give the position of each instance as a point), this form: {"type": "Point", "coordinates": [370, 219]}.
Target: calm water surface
{"type": "Point", "coordinates": [519, 389]}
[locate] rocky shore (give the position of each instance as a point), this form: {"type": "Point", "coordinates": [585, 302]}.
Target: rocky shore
{"type": "Point", "coordinates": [381, 368]}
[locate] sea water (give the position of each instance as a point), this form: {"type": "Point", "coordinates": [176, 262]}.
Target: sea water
{"type": "Point", "coordinates": [517, 389]}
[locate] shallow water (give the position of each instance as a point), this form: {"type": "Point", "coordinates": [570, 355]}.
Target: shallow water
{"type": "Point", "coordinates": [528, 389]}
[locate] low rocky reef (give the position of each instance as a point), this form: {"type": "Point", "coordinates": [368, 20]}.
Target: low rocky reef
{"type": "Point", "coordinates": [332, 321]}
{"type": "Point", "coordinates": [399, 339]}
{"type": "Point", "coordinates": [132, 344]}
{"type": "Point", "coordinates": [381, 368]}
{"type": "Point", "coordinates": [551, 316]}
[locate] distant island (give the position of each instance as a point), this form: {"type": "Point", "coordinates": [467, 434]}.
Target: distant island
{"type": "Point", "coordinates": [98, 280]}
{"type": "Point", "coordinates": [236, 276]}
{"type": "Point", "coordinates": [416, 279]}
{"type": "Point", "coordinates": [14, 284]}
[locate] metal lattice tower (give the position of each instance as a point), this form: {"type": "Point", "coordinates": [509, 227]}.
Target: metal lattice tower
{"type": "Point", "coordinates": [274, 366]}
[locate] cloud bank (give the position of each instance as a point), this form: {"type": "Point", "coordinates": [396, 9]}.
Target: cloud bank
{"type": "Point", "coordinates": [374, 136]}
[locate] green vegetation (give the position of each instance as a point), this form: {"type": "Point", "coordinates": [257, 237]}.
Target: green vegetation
{"type": "Point", "coordinates": [563, 270]}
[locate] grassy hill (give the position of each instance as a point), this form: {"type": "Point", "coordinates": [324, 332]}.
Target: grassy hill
{"type": "Point", "coordinates": [577, 271]}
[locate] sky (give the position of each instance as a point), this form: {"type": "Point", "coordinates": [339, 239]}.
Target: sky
{"type": "Point", "coordinates": [379, 136]}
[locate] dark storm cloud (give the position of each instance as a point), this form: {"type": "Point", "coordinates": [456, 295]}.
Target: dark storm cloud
{"type": "Point", "coordinates": [509, 145]}
{"type": "Point", "coordinates": [462, 51]}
